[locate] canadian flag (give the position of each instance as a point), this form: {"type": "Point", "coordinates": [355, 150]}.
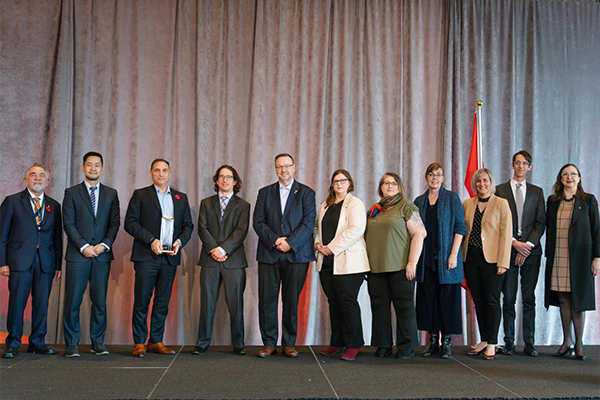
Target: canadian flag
{"type": "Point", "coordinates": [476, 154]}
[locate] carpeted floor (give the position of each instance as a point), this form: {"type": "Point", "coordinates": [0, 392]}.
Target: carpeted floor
{"type": "Point", "coordinates": [221, 374]}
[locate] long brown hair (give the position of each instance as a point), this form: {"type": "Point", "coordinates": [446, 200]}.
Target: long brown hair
{"type": "Point", "coordinates": [559, 188]}
{"type": "Point", "coordinates": [331, 196]}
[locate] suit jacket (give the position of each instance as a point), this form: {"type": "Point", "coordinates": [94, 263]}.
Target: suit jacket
{"type": "Point", "coordinates": [496, 230]}
{"type": "Point", "coordinates": [83, 227]}
{"type": "Point", "coordinates": [20, 236]}
{"type": "Point", "coordinates": [534, 214]}
{"type": "Point", "coordinates": [296, 223]}
{"type": "Point", "coordinates": [584, 246]}
{"type": "Point", "coordinates": [451, 220]}
{"type": "Point", "coordinates": [229, 234]}
{"type": "Point", "coordinates": [348, 245]}
{"type": "Point", "coordinates": [143, 220]}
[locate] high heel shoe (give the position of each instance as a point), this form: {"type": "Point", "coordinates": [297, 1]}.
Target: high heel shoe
{"type": "Point", "coordinates": [581, 357]}
{"type": "Point", "coordinates": [570, 350]}
{"type": "Point", "coordinates": [474, 352]}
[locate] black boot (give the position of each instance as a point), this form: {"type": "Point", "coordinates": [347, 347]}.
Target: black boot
{"type": "Point", "coordinates": [446, 346]}
{"type": "Point", "coordinates": [434, 345]}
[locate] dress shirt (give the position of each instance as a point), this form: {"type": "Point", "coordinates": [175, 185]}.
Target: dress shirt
{"type": "Point", "coordinates": [513, 186]}
{"type": "Point", "coordinates": [88, 186]}
{"type": "Point", "coordinates": [229, 196]}
{"type": "Point", "coordinates": [284, 193]}
{"type": "Point", "coordinates": [41, 197]}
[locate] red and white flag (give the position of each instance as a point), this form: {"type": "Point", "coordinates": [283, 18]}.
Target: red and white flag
{"type": "Point", "coordinates": [476, 153]}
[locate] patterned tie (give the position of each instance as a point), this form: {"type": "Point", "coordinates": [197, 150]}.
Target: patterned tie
{"type": "Point", "coordinates": [520, 200]}
{"type": "Point", "coordinates": [223, 206]}
{"type": "Point", "coordinates": [93, 198]}
{"type": "Point", "coordinates": [37, 210]}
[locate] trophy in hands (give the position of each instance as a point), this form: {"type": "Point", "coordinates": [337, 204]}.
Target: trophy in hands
{"type": "Point", "coordinates": [166, 234]}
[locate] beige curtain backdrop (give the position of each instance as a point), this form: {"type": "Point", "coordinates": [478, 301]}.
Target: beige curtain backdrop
{"type": "Point", "coordinates": [369, 86]}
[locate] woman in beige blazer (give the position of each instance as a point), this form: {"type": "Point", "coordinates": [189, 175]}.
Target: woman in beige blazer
{"type": "Point", "coordinates": [486, 251]}
{"type": "Point", "coordinates": [342, 262]}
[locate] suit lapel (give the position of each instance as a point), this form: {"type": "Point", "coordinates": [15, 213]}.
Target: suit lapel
{"type": "Point", "coordinates": [26, 201]}
{"type": "Point", "coordinates": [529, 202]}
{"type": "Point", "coordinates": [276, 198]}
{"type": "Point", "coordinates": [101, 199]}
{"type": "Point", "coordinates": [154, 197]}
{"type": "Point", "coordinates": [511, 201]}
{"type": "Point", "coordinates": [230, 205]}
{"type": "Point", "coordinates": [85, 197]}
{"type": "Point", "coordinates": [578, 209]}
{"type": "Point", "coordinates": [291, 197]}
{"type": "Point", "coordinates": [215, 203]}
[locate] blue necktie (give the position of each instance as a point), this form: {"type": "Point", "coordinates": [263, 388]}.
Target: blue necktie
{"type": "Point", "coordinates": [93, 198]}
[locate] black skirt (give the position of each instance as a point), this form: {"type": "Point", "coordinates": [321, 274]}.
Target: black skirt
{"type": "Point", "coordinates": [438, 306]}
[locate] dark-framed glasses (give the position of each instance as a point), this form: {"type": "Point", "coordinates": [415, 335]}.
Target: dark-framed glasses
{"type": "Point", "coordinates": [340, 181]}
{"type": "Point", "coordinates": [225, 177]}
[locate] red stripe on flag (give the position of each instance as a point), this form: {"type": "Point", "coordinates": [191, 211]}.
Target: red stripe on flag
{"type": "Point", "coordinates": [472, 164]}
{"type": "Point", "coordinates": [304, 308]}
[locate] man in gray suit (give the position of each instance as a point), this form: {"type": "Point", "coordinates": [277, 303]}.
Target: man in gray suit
{"type": "Point", "coordinates": [223, 223]}
{"type": "Point", "coordinates": [526, 203]}
{"type": "Point", "coordinates": [91, 219]}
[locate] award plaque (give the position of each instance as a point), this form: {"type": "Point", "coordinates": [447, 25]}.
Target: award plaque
{"type": "Point", "coordinates": [166, 234]}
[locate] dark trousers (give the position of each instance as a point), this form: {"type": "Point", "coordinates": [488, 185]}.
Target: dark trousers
{"type": "Point", "coordinates": [152, 278]}
{"type": "Point", "coordinates": [438, 305]}
{"type": "Point", "coordinates": [344, 310]}
{"type": "Point", "coordinates": [234, 283]}
{"type": "Point", "coordinates": [78, 274]}
{"type": "Point", "coordinates": [291, 277]}
{"type": "Point", "coordinates": [393, 287]}
{"type": "Point", "coordinates": [485, 286]}
{"type": "Point", "coordinates": [20, 284]}
{"type": "Point", "coordinates": [530, 271]}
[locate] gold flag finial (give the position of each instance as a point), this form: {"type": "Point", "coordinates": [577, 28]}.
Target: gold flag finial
{"type": "Point", "coordinates": [479, 104]}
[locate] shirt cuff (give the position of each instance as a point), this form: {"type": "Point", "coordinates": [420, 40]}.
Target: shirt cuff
{"type": "Point", "coordinates": [84, 247]}
{"type": "Point", "coordinates": [223, 252]}
{"type": "Point", "coordinates": [531, 244]}
{"type": "Point", "coordinates": [106, 246]}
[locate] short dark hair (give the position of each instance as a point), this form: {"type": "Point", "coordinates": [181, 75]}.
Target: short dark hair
{"type": "Point", "coordinates": [93, 154]}
{"type": "Point", "coordinates": [278, 156]}
{"type": "Point", "coordinates": [159, 160]}
{"type": "Point", "coordinates": [396, 177]}
{"type": "Point", "coordinates": [238, 185]}
{"type": "Point", "coordinates": [525, 155]}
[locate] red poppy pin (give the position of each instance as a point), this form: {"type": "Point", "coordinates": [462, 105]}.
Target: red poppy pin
{"type": "Point", "coordinates": [177, 196]}
{"type": "Point", "coordinates": [48, 208]}
{"type": "Point", "coordinates": [295, 191]}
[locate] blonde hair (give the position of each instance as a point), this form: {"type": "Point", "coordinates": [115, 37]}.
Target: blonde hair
{"type": "Point", "coordinates": [478, 174]}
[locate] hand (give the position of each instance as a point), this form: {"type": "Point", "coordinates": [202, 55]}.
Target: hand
{"type": "Point", "coordinates": [411, 271]}
{"type": "Point", "coordinates": [4, 271]}
{"type": "Point", "coordinates": [89, 252]}
{"type": "Point", "coordinates": [217, 255]}
{"type": "Point", "coordinates": [99, 249]}
{"type": "Point", "coordinates": [156, 247]}
{"type": "Point", "coordinates": [57, 275]}
{"type": "Point", "coordinates": [327, 251]}
{"type": "Point", "coordinates": [452, 261]}
{"type": "Point", "coordinates": [595, 266]}
{"type": "Point", "coordinates": [176, 246]}
{"type": "Point", "coordinates": [522, 248]}
{"type": "Point", "coordinates": [501, 270]}
{"type": "Point", "coordinates": [520, 260]}
{"type": "Point", "coordinates": [319, 247]}
{"type": "Point", "coordinates": [283, 246]}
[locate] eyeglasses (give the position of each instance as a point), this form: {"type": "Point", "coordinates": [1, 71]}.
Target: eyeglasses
{"type": "Point", "coordinates": [569, 174]}
{"type": "Point", "coordinates": [281, 167]}
{"type": "Point", "coordinates": [521, 163]}
{"type": "Point", "coordinates": [225, 177]}
{"type": "Point", "coordinates": [340, 181]}
{"type": "Point", "coordinates": [390, 184]}
{"type": "Point", "coordinates": [432, 175]}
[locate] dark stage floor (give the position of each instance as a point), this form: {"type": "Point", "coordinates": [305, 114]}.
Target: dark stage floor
{"type": "Point", "coordinates": [221, 374]}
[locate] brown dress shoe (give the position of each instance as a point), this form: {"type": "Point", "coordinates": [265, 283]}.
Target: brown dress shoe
{"type": "Point", "coordinates": [289, 351]}
{"type": "Point", "coordinates": [139, 351]}
{"type": "Point", "coordinates": [266, 351]}
{"type": "Point", "coordinates": [159, 348]}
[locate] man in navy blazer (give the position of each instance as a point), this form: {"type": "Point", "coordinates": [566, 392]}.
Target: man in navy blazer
{"type": "Point", "coordinates": [155, 261]}
{"type": "Point", "coordinates": [284, 219]}
{"type": "Point", "coordinates": [91, 218]}
{"type": "Point", "coordinates": [30, 256]}
{"type": "Point", "coordinates": [529, 223]}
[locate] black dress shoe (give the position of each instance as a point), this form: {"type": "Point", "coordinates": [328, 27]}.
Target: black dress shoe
{"type": "Point", "coordinates": [383, 352]}
{"type": "Point", "coordinates": [10, 352]}
{"type": "Point", "coordinates": [240, 350]}
{"type": "Point", "coordinates": [41, 349]}
{"type": "Point", "coordinates": [405, 355]}
{"type": "Point", "coordinates": [199, 350]}
{"type": "Point", "coordinates": [530, 350]}
{"type": "Point", "coordinates": [581, 357]}
{"type": "Point", "coordinates": [569, 350]}
{"type": "Point", "coordinates": [509, 349]}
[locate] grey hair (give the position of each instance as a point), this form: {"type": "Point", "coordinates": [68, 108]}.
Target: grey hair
{"type": "Point", "coordinates": [36, 164]}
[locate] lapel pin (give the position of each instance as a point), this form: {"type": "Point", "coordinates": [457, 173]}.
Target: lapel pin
{"type": "Point", "coordinates": [177, 196]}
{"type": "Point", "coordinates": [48, 208]}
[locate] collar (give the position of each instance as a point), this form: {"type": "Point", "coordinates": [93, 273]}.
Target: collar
{"type": "Point", "coordinates": [88, 186]}
{"type": "Point", "coordinates": [514, 183]}
{"type": "Point", "coordinates": [41, 197]}
{"type": "Point", "coordinates": [229, 196]}
{"type": "Point", "coordinates": [160, 193]}
{"type": "Point", "coordinates": [288, 187]}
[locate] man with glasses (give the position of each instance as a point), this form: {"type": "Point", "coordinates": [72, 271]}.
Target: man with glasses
{"type": "Point", "coordinates": [526, 203]}
{"type": "Point", "coordinates": [284, 219]}
{"type": "Point", "coordinates": [223, 223]}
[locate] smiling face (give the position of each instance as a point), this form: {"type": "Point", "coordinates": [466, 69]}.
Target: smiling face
{"type": "Point", "coordinates": [160, 174]}
{"type": "Point", "coordinates": [285, 169]}
{"type": "Point", "coordinates": [483, 185]}
{"type": "Point", "coordinates": [520, 167]}
{"type": "Point", "coordinates": [92, 169]}
{"type": "Point", "coordinates": [389, 186]}
{"type": "Point", "coordinates": [225, 181]}
{"type": "Point", "coordinates": [570, 178]}
{"type": "Point", "coordinates": [36, 180]}
{"type": "Point", "coordinates": [435, 179]}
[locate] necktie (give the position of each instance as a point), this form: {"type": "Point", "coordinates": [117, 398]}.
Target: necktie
{"type": "Point", "coordinates": [520, 200]}
{"type": "Point", "coordinates": [93, 198]}
{"type": "Point", "coordinates": [223, 205]}
{"type": "Point", "coordinates": [37, 210]}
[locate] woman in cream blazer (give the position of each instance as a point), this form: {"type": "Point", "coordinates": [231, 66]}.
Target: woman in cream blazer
{"type": "Point", "coordinates": [486, 252]}
{"type": "Point", "coordinates": [342, 263]}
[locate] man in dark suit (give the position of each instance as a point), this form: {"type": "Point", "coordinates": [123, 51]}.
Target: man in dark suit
{"type": "Point", "coordinates": [284, 219]}
{"type": "Point", "coordinates": [30, 255]}
{"type": "Point", "coordinates": [91, 218]}
{"type": "Point", "coordinates": [222, 226]}
{"type": "Point", "coordinates": [526, 203]}
{"type": "Point", "coordinates": [156, 253]}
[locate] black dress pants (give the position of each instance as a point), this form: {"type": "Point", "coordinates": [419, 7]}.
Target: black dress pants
{"type": "Point", "coordinates": [290, 277]}
{"type": "Point", "coordinates": [344, 310]}
{"type": "Point", "coordinates": [529, 271]}
{"type": "Point", "coordinates": [393, 287]}
{"type": "Point", "coordinates": [485, 286]}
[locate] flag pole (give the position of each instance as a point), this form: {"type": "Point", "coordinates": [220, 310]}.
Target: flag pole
{"type": "Point", "coordinates": [479, 104]}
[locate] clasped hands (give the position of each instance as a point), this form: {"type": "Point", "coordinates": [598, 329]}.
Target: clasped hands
{"type": "Point", "coordinates": [217, 255]}
{"type": "Point", "coordinates": [523, 251]}
{"type": "Point", "coordinates": [323, 249]}
{"type": "Point", "coordinates": [157, 249]}
{"type": "Point", "coordinates": [94, 251]}
{"type": "Point", "coordinates": [282, 244]}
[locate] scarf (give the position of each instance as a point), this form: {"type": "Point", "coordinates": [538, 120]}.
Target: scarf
{"type": "Point", "coordinates": [384, 204]}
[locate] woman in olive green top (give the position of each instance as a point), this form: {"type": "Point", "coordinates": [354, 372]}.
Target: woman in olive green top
{"type": "Point", "coordinates": [394, 237]}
